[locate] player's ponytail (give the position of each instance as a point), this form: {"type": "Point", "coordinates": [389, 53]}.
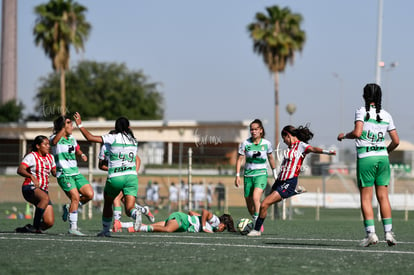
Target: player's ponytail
{"type": "Point", "coordinates": [122, 126]}
{"type": "Point", "coordinates": [303, 133]}
{"type": "Point", "coordinates": [373, 94]}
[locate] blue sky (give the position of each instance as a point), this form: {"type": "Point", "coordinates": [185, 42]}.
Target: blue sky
{"type": "Point", "coordinates": [202, 54]}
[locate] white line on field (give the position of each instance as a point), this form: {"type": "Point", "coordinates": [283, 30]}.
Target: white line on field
{"type": "Point", "coordinates": [270, 246]}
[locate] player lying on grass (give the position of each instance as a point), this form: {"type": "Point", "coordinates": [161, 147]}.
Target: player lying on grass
{"type": "Point", "coordinates": [191, 222]}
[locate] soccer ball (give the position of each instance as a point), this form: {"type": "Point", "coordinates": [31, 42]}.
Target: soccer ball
{"type": "Point", "coordinates": [244, 226]}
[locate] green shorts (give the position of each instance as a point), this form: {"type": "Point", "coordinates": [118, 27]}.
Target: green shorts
{"type": "Point", "coordinates": [128, 184]}
{"type": "Point", "coordinates": [250, 183]}
{"type": "Point", "coordinates": [373, 171]}
{"type": "Point", "coordinates": [182, 220]}
{"type": "Point", "coordinates": [68, 183]}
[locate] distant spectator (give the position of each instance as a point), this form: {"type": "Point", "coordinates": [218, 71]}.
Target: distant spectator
{"type": "Point", "coordinates": [199, 195]}
{"type": "Point", "coordinates": [210, 191]}
{"type": "Point", "coordinates": [173, 198]}
{"type": "Point", "coordinates": [183, 193]}
{"type": "Point", "coordinates": [220, 191]}
{"type": "Point", "coordinates": [155, 196]}
{"type": "Point", "coordinates": [149, 194]}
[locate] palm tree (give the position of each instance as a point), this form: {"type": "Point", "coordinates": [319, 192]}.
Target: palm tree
{"type": "Point", "coordinates": [276, 36]}
{"type": "Point", "coordinates": [60, 24]}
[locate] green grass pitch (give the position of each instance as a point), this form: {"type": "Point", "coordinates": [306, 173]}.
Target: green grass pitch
{"type": "Point", "coordinates": [293, 246]}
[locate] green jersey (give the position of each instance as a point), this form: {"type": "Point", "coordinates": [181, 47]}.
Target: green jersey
{"type": "Point", "coordinates": [121, 153]}
{"type": "Point", "coordinates": [256, 156]}
{"type": "Point", "coordinates": [65, 156]}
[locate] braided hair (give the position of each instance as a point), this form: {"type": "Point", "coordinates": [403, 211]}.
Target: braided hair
{"type": "Point", "coordinates": [302, 133]}
{"type": "Point", "coordinates": [372, 93]}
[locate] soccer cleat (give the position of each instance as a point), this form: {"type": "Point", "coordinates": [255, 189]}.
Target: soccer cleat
{"type": "Point", "coordinates": [28, 228]}
{"type": "Point", "coordinates": [300, 189]}
{"type": "Point", "coordinates": [254, 233]}
{"type": "Point", "coordinates": [131, 229]}
{"type": "Point", "coordinates": [371, 238]}
{"type": "Point", "coordinates": [138, 221]}
{"type": "Point", "coordinates": [75, 232]}
{"type": "Point", "coordinates": [148, 214]}
{"type": "Point", "coordinates": [389, 238]}
{"type": "Point", "coordinates": [117, 227]}
{"type": "Point", "coordinates": [262, 228]}
{"type": "Point", "coordinates": [65, 209]}
{"type": "Point", "coordinates": [104, 234]}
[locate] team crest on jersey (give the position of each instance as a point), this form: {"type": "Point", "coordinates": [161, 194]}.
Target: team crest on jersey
{"type": "Point", "coordinates": [68, 184]}
{"type": "Point", "coordinates": [263, 148]}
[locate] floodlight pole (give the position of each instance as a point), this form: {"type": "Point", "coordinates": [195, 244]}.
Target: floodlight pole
{"type": "Point", "coordinates": [379, 40]}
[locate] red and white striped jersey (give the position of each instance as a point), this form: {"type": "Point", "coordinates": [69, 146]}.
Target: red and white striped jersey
{"type": "Point", "coordinates": [292, 160]}
{"type": "Point", "coordinates": [40, 167]}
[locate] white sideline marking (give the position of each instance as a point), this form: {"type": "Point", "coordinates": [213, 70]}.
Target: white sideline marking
{"type": "Point", "coordinates": [115, 240]}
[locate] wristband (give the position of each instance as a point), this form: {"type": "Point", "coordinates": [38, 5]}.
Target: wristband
{"type": "Point", "coordinates": [237, 174]}
{"type": "Point", "coordinates": [83, 155]}
{"type": "Point", "coordinates": [327, 152]}
{"type": "Point", "coordinates": [80, 125]}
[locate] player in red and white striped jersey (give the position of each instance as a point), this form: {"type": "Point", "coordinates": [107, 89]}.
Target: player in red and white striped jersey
{"type": "Point", "coordinates": [36, 168]}
{"type": "Point", "coordinates": [285, 185]}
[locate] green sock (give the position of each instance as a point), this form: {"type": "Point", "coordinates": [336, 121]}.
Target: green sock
{"type": "Point", "coordinates": [369, 226]}
{"type": "Point", "coordinates": [387, 223]}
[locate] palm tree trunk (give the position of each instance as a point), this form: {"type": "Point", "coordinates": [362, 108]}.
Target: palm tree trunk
{"type": "Point", "coordinates": [62, 92]}
{"type": "Point", "coordinates": [277, 134]}
{"type": "Point", "coordinates": [8, 77]}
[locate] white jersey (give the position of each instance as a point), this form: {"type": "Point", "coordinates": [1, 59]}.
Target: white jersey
{"type": "Point", "coordinates": [173, 193]}
{"type": "Point", "coordinates": [256, 156]}
{"type": "Point", "coordinates": [155, 192]}
{"type": "Point", "coordinates": [103, 154]}
{"type": "Point", "coordinates": [195, 223]}
{"type": "Point", "coordinates": [372, 140]}
{"type": "Point", "coordinates": [40, 167]}
{"type": "Point", "coordinates": [65, 156]}
{"type": "Point", "coordinates": [122, 152]}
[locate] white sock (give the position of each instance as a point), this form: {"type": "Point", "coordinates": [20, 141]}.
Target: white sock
{"type": "Point", "coordinates": [370, 229]}
{"type": "Point", "coordinates": [73, 220]}
{"type": "Point", "coordinates": [127, 224]}
{"type": "Point", "coordinates": [146, 228]}
{"type": "Point", "coordinates": [134, 214]}
{"type": "Point", "coordinates": [117, 214]}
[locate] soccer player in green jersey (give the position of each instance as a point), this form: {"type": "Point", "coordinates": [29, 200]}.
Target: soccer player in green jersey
{"type": "Point", "coordinates": [255, 151]}
{"type": "Point", "coordinates": [373, 166]}
{"type": "Point", "coordinates": [123, 166]}
{"type": "Point", "coordinates": [65, 150]}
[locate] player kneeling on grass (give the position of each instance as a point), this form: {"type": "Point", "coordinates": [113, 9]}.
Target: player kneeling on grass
{"type": "Point", "coordinates": [191, 222]}
{"type": "Point", "coordinates": [36, 168]}
{"type": "Point", "coordinates": [285, 185]}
